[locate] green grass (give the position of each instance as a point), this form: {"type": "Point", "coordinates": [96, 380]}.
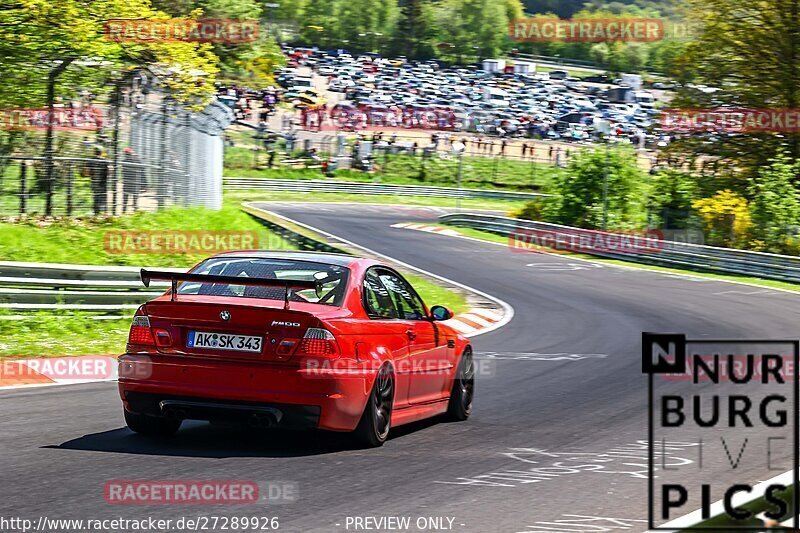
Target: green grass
{"type": "Point", "coordinates": [82, 240]}
{"type": "Point", "coordinates": [492, 237]}
{"type": "Point", "coordinates": [59, 333]}
{"type": "Point", "coordinates": [477, 172]}
{"type": "Point", "coordinates": [62, 333]}
{"type": "Point", "coordinates": [435, 294]}
{"type": "Point", "coordinates": [256, 195]}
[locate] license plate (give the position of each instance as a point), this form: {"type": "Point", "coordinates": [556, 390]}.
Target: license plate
{"type": "Point", "coordinates": [223, 341]}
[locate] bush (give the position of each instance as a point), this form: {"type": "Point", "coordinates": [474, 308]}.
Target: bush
{"type": "Point", "coordinates": [578, 192]}
{"type": "Point", "coordinates": [727, 218]}
{"type": "Point", "coordinates": [775, 207]}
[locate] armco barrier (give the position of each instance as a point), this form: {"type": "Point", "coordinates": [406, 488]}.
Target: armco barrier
{"type": "Point", "coordinates": [353, 187]}
{"type": "Point", "coordinates": [37, 286]}
{"type": "Point", "coordinates": [48, 286]}
{"type": "Point", "coordinates": [666, 253]}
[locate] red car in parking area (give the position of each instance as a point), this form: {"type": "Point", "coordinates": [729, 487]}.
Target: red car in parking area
{"type": "Point", "coordinates": [293, 340]}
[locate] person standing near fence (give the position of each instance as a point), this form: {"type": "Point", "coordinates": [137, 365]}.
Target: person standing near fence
{"type": "Point", "coordinates": [97, 170]}
{"type": "Point", "coordinates": [133, 179]}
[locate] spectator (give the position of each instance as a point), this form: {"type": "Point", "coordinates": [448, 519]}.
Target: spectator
{"type": "Point", "coordinates": [133, 179]}
{"type": "Point", "coordinates": [97, 170]}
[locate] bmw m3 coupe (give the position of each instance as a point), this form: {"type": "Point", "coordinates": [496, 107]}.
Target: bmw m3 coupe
{"type": "Point", "coordinates": [292, 340]}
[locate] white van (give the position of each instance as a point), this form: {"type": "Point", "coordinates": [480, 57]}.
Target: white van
{"type": "Point", "coordinates": [644, 99]}
{"type": "Point", "coordinates": [496, 97]}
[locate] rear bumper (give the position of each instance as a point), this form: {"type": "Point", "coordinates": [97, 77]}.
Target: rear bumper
{"type": "Point", "coordinates": [203, 389]}
{"type": "Point", "coordinates": [253, 413]}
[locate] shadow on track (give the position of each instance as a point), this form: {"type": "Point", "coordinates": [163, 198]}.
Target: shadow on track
{"type": "Point", "coordinates": [198, 439]}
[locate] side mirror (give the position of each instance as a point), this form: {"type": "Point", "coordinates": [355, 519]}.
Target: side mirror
{"type": "Point", "coordinates": [440, 312]}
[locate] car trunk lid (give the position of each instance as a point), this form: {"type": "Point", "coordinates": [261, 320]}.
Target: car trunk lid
{"type": "Point", "coordinates": [221, 329]}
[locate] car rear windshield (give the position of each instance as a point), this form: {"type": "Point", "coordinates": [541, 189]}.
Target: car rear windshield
{"type": "Point", "coordinates": [333, 279]}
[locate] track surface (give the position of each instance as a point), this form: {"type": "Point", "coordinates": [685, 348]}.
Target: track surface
{"type": "Point", "coordinates": [61, 444]}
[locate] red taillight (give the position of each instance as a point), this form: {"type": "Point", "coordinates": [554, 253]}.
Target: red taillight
{"type": "Point", "coordinates": [318, 341]}
{"type": "Point", "coordinates": [141, 333]}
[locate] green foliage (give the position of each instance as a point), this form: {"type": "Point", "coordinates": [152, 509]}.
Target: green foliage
{"type": "Point", "coordinates": [62, 333]}
{"type": "Point", "coordinates": [753, 58]}
{"type": "Point", "coordinates": [670, 200]}
{"type": "Point", "coordinates": [775, 206]}
{"type": "Point", "coordinates": [578, 192]}
{"type": "Point", "coordinates": [37, 36]}
{"type": "Point", "coordinates": [82, 240]}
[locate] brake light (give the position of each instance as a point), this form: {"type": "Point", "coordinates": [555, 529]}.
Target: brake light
{"type": "Point", "coordinates": [318, 341]}
{"type": "Point", "coordinates": [140, 331]}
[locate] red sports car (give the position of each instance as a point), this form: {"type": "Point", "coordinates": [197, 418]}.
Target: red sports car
{"type": "Point", "coordinates": [294, 340]}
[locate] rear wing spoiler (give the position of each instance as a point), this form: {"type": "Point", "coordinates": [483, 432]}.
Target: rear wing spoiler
{"type": "Point", "coordinates": [175, 277]}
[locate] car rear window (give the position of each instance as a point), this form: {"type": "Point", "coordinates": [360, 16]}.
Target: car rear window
{"type": "Point", "coordinates": [333, 278]}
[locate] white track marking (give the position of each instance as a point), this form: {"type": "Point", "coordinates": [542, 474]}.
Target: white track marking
{"type": "Point", "coordinates": [642, 268]}
{"type": "Point", "coordinates": [508, 310]}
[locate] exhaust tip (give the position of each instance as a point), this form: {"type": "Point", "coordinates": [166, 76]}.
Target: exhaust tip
{"type": "Point", "coordinates": [258, 420]}
{"type": "Point", "coordinates": [175, 414]}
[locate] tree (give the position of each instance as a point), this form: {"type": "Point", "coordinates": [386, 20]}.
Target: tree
{"type": "Point", "coordinates": [473, 28]}
{"type": "Point", "coordinates": [578, 192]}
{"type": "Point", "coordinates": [775, 206]}
{"type": "Point", "coordinates": [37, 36]}
{"type": "Point", "coordinates": [751, 51]}
{"type": "Point", "coordinates": [672, 193]}
{"type": "Point", "coordinates": [415, 31]}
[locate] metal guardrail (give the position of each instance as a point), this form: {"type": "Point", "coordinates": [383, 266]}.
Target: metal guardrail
{"type": "Point", "coordinates": [39, 286]}
{"type": "Point", "coordinates": [100, 288]}
{"type": "Point", "coordinates": [655, 252]}
{"type": "Point", "coordinates": [354, 187]}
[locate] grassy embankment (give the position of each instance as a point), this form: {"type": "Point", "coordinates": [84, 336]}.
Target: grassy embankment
{"type": "Point", "coordinates": [81, 241]}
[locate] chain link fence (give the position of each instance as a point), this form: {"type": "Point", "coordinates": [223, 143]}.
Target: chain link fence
{"type": "Point", "coordinates": [408, 157]}
{"type": "Point", "coordinates": [144, 153]}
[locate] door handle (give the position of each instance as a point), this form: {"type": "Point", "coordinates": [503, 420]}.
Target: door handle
{"type": "Point", "coordinates": [411, 334]}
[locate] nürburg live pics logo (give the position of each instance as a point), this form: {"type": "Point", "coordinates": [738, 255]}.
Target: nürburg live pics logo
{"type": "Point", "coordinates": [736, 403]}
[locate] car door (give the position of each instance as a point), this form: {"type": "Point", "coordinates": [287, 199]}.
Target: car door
{"type": "Point", "coordinates": [384, 331]}
{"type": "Point", "coordinates": [429, 360]}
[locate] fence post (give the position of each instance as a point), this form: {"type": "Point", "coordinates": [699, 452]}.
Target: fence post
{"type": "Point", "coordinates": [70, 174]}
{"type": "Point", "coordinates": [161, 186]}
{"type": "Point", "coordinates": [116, 103]}
{"type": "Point", "coordinates": [49, 134]}
{"type": "Point", "coordinates": [189, 139]}
{"type": "Point", "coordinates": [23, 200]}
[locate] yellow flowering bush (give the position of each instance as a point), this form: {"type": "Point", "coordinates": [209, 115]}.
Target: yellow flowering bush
{"type": "Point", "coordinates": [726, 217]}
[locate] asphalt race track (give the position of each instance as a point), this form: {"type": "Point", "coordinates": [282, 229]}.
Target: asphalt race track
{"type": "Point", "coordinates": [566, 379]}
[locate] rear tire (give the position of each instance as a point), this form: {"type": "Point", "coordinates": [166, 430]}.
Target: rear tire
{"type": "Point", "coordinates": [151, 425]}
{"type": "Point", "coordinates": [375, 423]}
{"type": "Point", "coordinates": [460, 406]}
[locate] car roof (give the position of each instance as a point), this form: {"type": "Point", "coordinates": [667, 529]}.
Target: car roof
{"type": "Point", "coordinates": [317, 257]}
